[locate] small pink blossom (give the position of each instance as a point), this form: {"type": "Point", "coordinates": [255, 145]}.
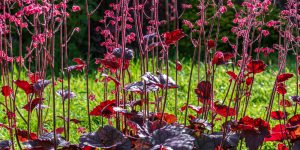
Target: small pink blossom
{"type": "Point", "coordinates": [186, 6]}
{"type": "Point", "coordinates": [222, 9]}
{"type": "Point", "coordinates": [188, 24]}
{"type": "Point", "coordinates": [39, 38]}
{"type": "Point", "coordinates": [271, 23]}
{"type": "Point", "coordinates": [199, 23]}
{"type": "Point", "coordinates": [265, 50]}
{"type": "Point", "coordinates": [229, 3]}
{"type": "Point", "coordinates": [77, 29]}
{"type": "Point", "coordinates": [75, 8]}
{"type": "Point", "coordinates": [19, 59]}
{"type": "Point", "coordinates": [131, 37]}
{"type": "Point", "coordinates": [109, 13]}
{"type": "Point", "coordinates": [265, 32]}
{"type": "Point", "coordinates": [224, 39]}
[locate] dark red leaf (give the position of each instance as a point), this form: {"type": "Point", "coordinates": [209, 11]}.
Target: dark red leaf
{"type": "Point", "coordinates": [10, 115]}
{"type": "Point", "coordinates": [211, 43]}
{"type": "Point", "coordinates": [256, 66]}
{"type": "Point", "coordinates": [279, 133]}
{"type": "Point", "coordinates": [81, 130]}
{"type": "Point", "coordinates": [280, 88]}
{"type": "Point", "coordinates": [88, 148]}
{"type": "Point", "coordinates": [173, 36]}
{"type": "Point", "coordinates": [79, 61]}
{"type": "Point", "coordinates": [232, 75]}
{"type": "Point", "coordinates": [249, 81]}
{"type": "Point", "coordinates": [224, 110]}
{"type": "Point", "coordinates": [254, 131]}
{"type": "Point", "coordinates": [91, 97]}
{"type": "Point", "coordinates": [218, 58]}
{"type": "Point", "coordinates": [169, 118]}
{"type": "Point", "coordinates": [4, 126]}
{"type": "Point", "coordinates": [295, 120]}
{"type": "Point", "coordinates": [24, 85]}
{"type": "Point", "coordinates": [221, 58]}
{"type": "Point", "coordinates": [113, 63]}
{"type": "Point", "coordinates": [6, 91]}
{"type": "Point", "coordinates": [261, 124]}
{"type": "Point", "coordinates": [281, 146]}
{"type": "Point", "coordinates": [278, 115]}
{"type": "Point", "coordinates": [32, 104]}
{"type": "Point", "coordinates": [34, 77]}
{"type": "Point", "coordinates": [178, 66]}
{"type": "Point", "coordinates": [24, 135]}
{"type": "Point", "coordinates": [203, 90]}
{"type": "Point", "coordinates": [228, 56]}
{"type": "Point", "coordinates": [283, 77]}
{"type": "Point", "coordinates": [285, 103]}
{"type": "Point", "coordinates": [59, 130]}
{"type": "Point", "coordinates": [197, 109]}
{"type": "Point", "coordinates": [108, 78]}
{"type": "Point", "coordinates": [80, 65]}
{"type": "Point", "coordinates": [104, 109]}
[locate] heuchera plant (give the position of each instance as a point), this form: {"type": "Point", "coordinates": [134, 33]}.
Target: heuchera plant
{"type": "Point", "coordinates": [136, 115]}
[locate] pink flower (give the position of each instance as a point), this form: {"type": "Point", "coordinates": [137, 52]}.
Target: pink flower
{"type": "Point", "coordinates": [224, 39]}
{"type": "Point", "coordinates": [128, 26]}
{"type": "Point", "coordinates": [199, 23]}
{"type": "Point", "coordinates": [229, 3]}
{"type": "Point", "coordinates": [285, 12]}
{"type": "Point", "coordinates": [222, 9]}
{"type": "Point", "coordinates": [20, 59]}
{"type": "Point", "coordinates": [186, 6]}
{"type": "Point", "coordinates": [105, 33]}
{"type": "Point", "coordinates": [77, 29]}
{"type": "Point", "coordinates": [130, 37]}
{"type": "Point", "coordinates": [188, 24]}
{"type": "Point", "coordinates": [109, 13]}
{"type": "Point", "coordinates": [39, 38]}
{"type": "Point", "coordinates": [271, 23]}
{"type": "Point", "coordinates": [75, 8]}
{"type": "Point", "coordinates": [265, 32]}
{"type": "Point", "coordinates": [265, 50]}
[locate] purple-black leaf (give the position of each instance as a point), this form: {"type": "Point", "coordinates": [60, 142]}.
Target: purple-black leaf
{"type": "Point", "coordinates": [296, 145]}
{"type": "Point", "coordinates": [212, 141]}
{"type": "Point", "coordinates": [40, 85]}
{"type": "Point", "coordinates": [5, 145]}
{"type": "Point", "coordinates": [201, 122]}
{"type": "Point", "coordinates": [128, 53]}
{"type": "Point", "coordinates": [159, 80]}
{"type": "Point", "coordinates": [295, 99]}
{"type": "Point", "coordinates": [139, 87]}
{"type": "Point", "coordinates": [46, 142]}
{"type": "Point", "coordinates": [179, 142]}
{"type": "Point", "coordinates": [106, 137]}
{"type": "Point", "coordinates": [65, 94]}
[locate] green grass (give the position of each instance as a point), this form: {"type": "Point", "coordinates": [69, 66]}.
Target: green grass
{"type": "Point", "coordinates": [262, 88]}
